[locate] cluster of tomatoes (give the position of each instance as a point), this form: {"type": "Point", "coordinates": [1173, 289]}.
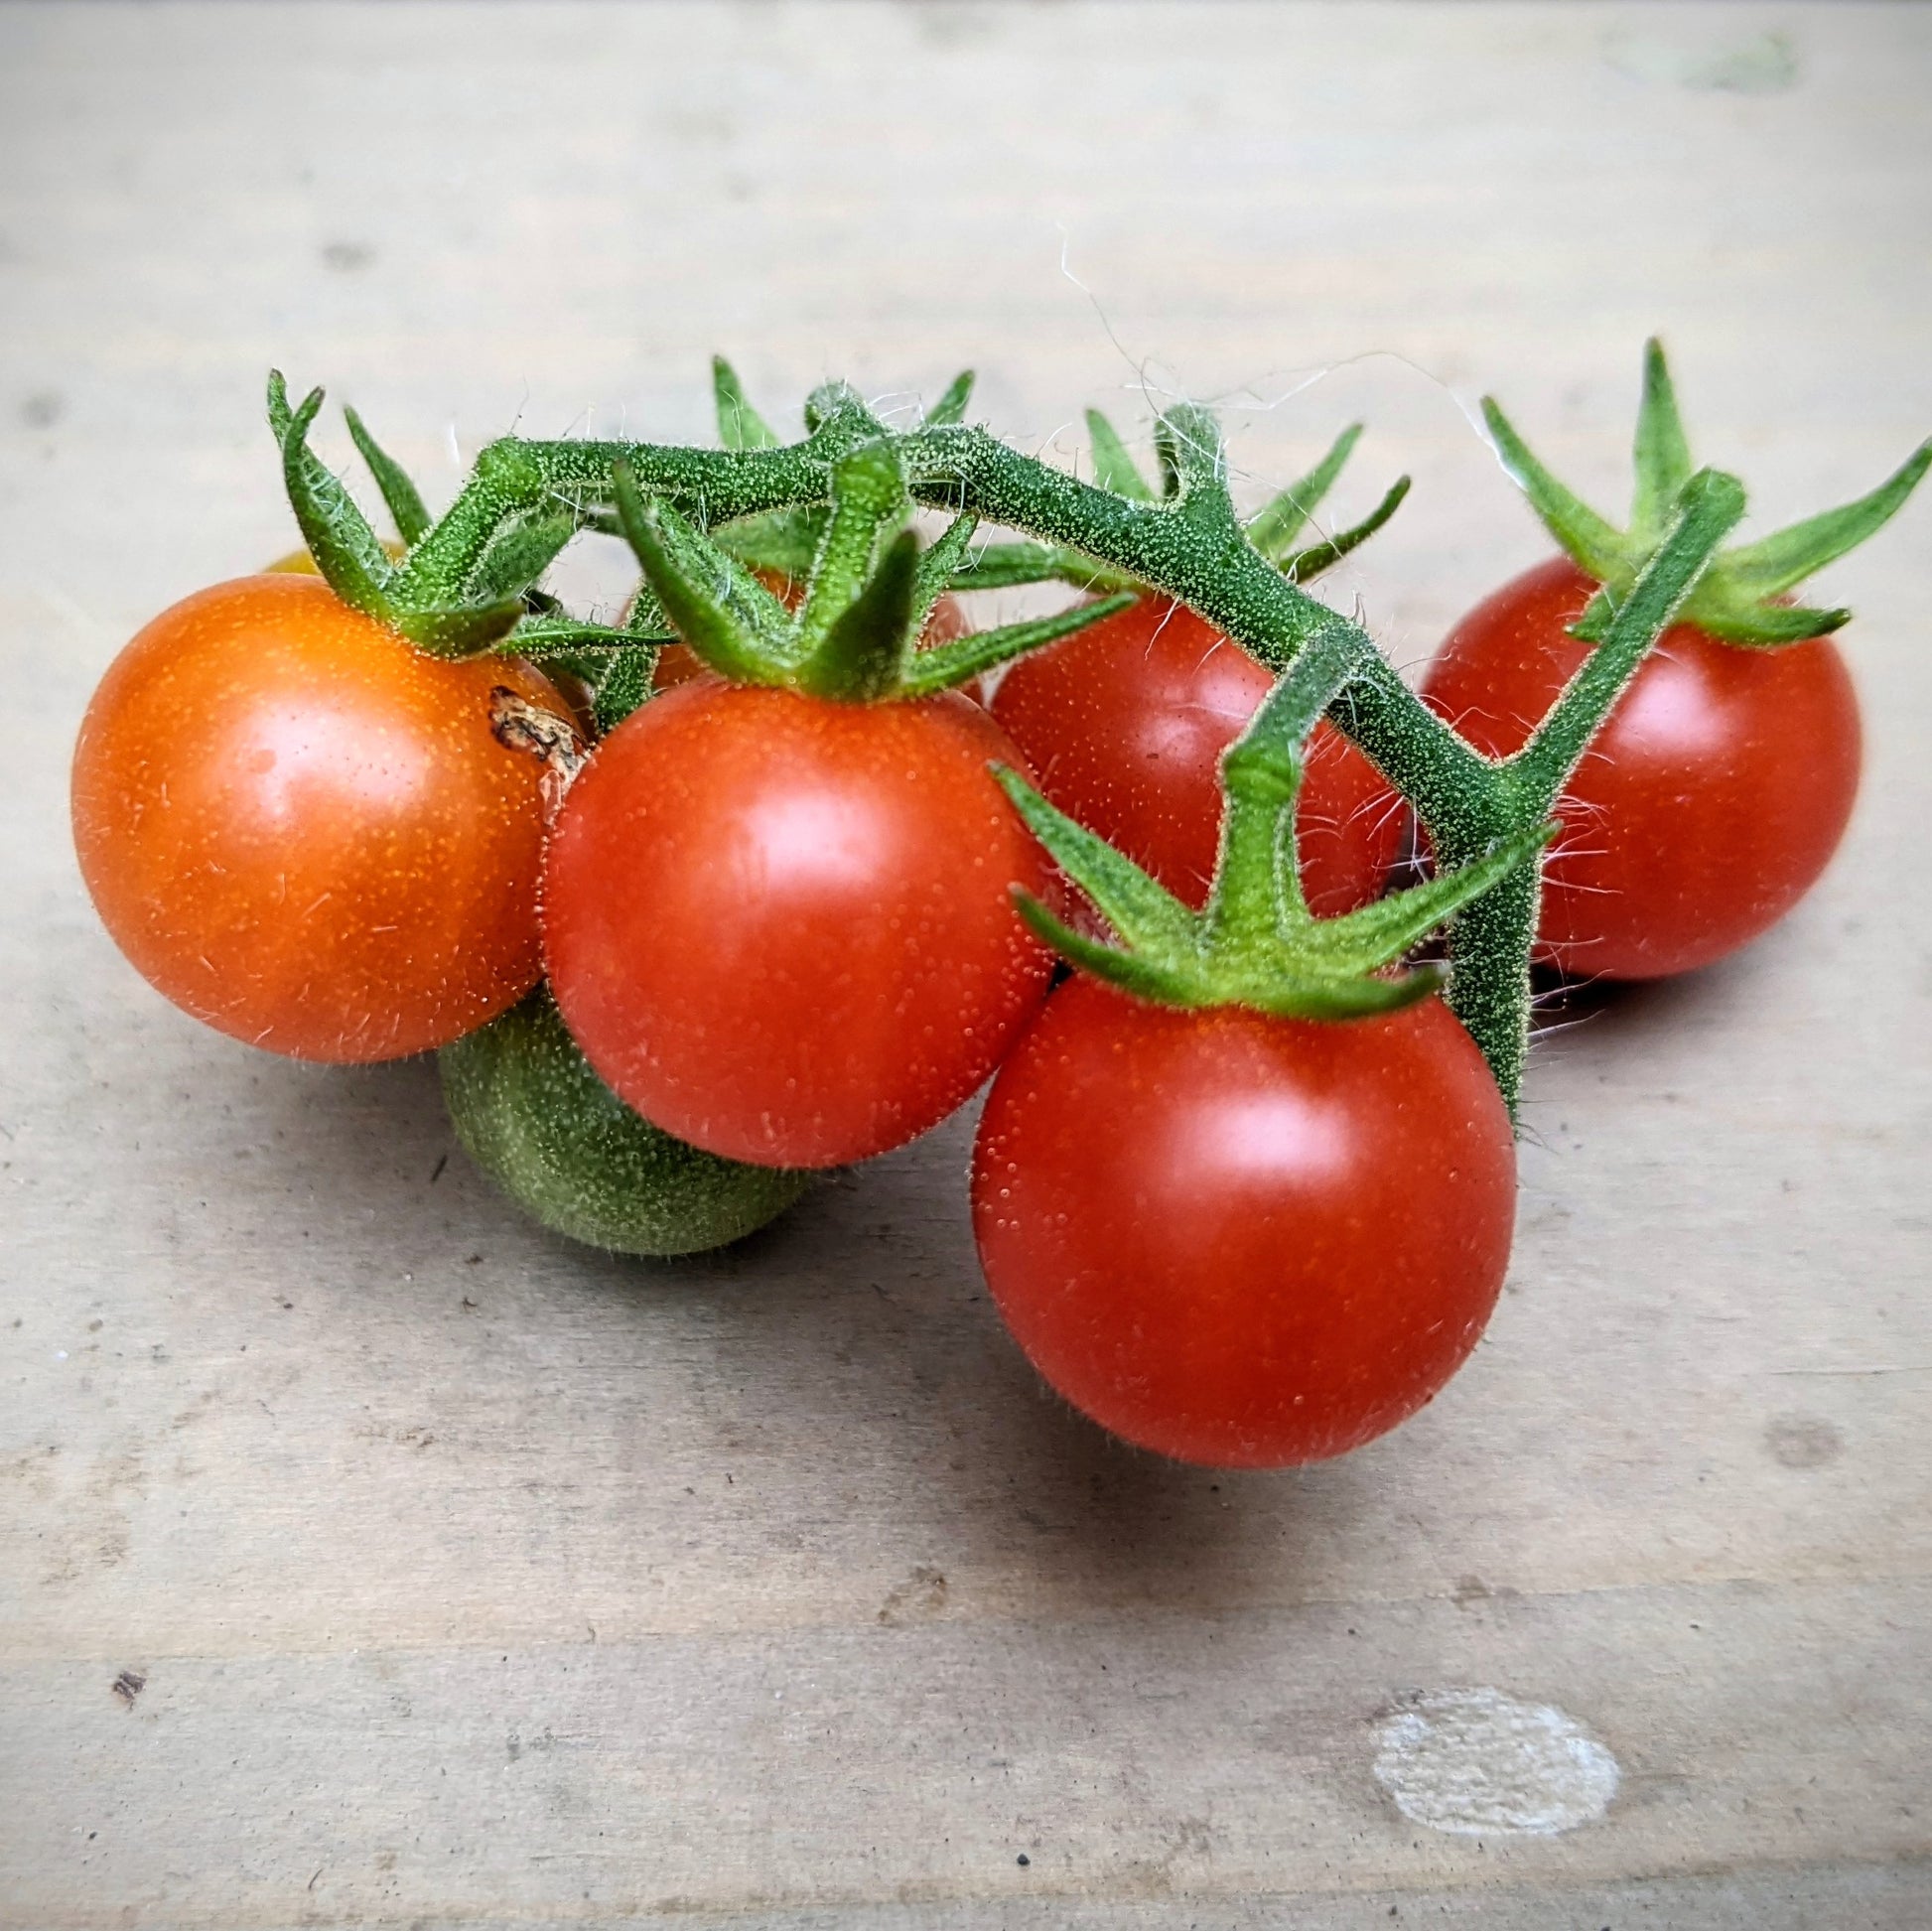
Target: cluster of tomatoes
{"type": "Point", "coordinates": [753, 932]}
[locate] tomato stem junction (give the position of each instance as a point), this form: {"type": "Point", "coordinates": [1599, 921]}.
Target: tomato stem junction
{"type": "Point", "coordinates": [1256, 943]}
{"type": "Point", "coordinates": [1739, 599]}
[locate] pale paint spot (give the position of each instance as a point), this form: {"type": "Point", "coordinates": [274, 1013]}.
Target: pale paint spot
{"type": "Point", "coordinates": [1478, 1763]}
{"type": "Point", "coordinates": [1706, 57]}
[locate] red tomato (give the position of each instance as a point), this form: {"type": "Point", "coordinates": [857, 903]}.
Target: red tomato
{"type": "Point", "coordinates": [1240, 1240]}
{"type": "Point", "coordinates": [676, 664]}
{"type": "Point", "coordinates": [781, 928]}
{"type": "Point", "coordinates": [1126, 723]}
{"type": "Point", "coordinates": [1706, 807]}
{"type": "Point", "coordinates": [302, 831]}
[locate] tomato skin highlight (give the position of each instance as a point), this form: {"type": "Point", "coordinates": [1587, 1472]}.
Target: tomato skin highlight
{"type": "Point", "coordinates": [532, 1113]}
{"type": "Point", "coordinates": [1709, 804]}
{"type": "Point", "coordinates": [1126, 723]}
{"type": "Point", "coordinates": [781, 929]}
{"type": "Point", "coordinates": [302, 831]}
{"type": "Point", "coordinates": [1237, 1240]}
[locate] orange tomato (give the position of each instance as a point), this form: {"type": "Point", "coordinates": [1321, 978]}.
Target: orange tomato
{"type": "Point", "coordinates": [304, 831]}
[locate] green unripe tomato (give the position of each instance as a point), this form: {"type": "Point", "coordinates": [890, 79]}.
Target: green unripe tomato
{"type": "Point", "coordinates": [533, 1115]}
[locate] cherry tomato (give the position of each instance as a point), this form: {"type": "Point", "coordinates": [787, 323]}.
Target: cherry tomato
{"type": "Point", "coordinates": [781, 928]}
{"type": "Point", "coordinates": [533, 1115]}
{"type": "Point", "coordinates": [676, 664]}
{"type": "Point", "coordinates": [1126, 723]}
{"type": "Point", "coordinates": [1240, 1240]}
{"type": "Point", "coordinates": [302, 831]}
{"type": "Point", "coordinates": [1713, 798]}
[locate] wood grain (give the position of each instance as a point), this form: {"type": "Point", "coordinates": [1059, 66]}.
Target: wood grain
{"type": "Point", "coordinates": [472, 1579]}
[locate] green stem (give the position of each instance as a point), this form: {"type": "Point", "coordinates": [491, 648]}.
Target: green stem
{"type": "Point", "coordinates": [868, 503]}
{"type": "Point", "coordinates": [1417, 751]}
{"type": "Point", "coordinates": [1709, 508]}
{"type": "Point", "coordinates": [1489, 943]}
{"type": "Point", "coordinates": [710, 486]}
{"type": "Point", "coordinates": [1257, 893]}
{"type": "Point", "coordinates": [1246, 912]}
{"type": "Point", "coordinates": [860, 658]}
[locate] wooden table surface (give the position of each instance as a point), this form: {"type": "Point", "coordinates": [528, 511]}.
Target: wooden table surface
{"type": "Point", "coordinates": [367, 1557]}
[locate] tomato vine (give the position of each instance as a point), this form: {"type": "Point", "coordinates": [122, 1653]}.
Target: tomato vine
{"type": "Point", "coordinates": [459, 590]}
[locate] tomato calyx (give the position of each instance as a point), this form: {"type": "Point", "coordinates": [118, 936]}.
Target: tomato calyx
{"type": "Point", "coordinates": [1256, 943]}
{"type": "Point", "coordinates": [1743, 596]}
{"type": "Point", "coordinates": [781, 543]}
{"type": "Point", "coordinates": [1273, 531]}
{"type": "Point", "coordinates": [785, 542]}
{"type": "Point", "coordinates": [853, 638]}
{"type": "Point", "coordinates": [495, 607]}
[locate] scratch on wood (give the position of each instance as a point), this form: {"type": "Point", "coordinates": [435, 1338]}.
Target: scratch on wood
{"type": "Point", "coordinates": [1903, 1367]}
